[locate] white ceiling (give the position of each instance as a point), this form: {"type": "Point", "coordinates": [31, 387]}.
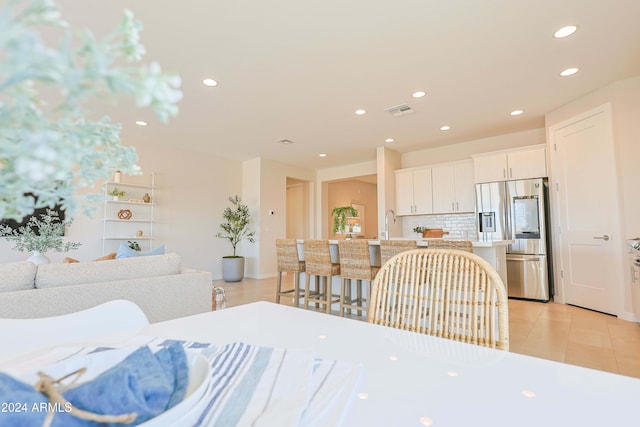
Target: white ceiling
{"type": "Point", "coordinates": [297, 69]}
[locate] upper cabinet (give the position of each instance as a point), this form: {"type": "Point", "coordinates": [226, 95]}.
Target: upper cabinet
{"type": "Point", "coordinates": [453, 187]}
{"type": "Point", "coordinates": [413, 191]}
{"type": "Point", "coordinates": [506, 165]}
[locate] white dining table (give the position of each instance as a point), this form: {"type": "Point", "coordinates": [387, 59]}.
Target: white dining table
{"type": "Point", "coordinates": [414, 379]}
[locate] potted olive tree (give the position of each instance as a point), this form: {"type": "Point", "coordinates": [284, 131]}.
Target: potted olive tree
{"type": "Point", "coordinates": [235, 228]}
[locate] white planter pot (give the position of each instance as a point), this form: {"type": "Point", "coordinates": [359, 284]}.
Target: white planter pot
{"type": "Point", "coordinates": [232, 269]}
{"type": "Point", "coordinates": [38, 258]}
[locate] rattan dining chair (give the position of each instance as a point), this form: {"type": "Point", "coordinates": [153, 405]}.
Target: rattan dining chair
{"type": "Point", "coordinates": [448, 293]}
{"type": "Point", "coordinates": [389, 248]}
{"type": "Point", "coordinates": [289, 262]}
{"type": "Point", "coordinates": [355, 264]}
{"type": "Point", "coordinates": [463, 245]}
{"type": "Point", "coordinates": [317, 258]}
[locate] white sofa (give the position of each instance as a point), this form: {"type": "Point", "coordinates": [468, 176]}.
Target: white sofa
{"type": "Point", "coordinates": [158, 284]}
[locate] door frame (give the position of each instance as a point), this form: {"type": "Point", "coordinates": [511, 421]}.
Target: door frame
{"type": "Point", "coordinates": [616, 225]}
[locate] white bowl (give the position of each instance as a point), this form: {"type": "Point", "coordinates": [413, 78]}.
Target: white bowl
{"type": "Point", "coordinates": [199, 378]}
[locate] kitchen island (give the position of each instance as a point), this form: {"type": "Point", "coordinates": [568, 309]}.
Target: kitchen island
{"type": "Point", "coordinates": [494, 252]}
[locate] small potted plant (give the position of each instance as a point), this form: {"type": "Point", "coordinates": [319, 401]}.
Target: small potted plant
{"type": "Point", "coordinates": [235, 228]}
{"type": "Point", "coordinates": [420, 230]}
{"type": "Point", "coordinates": [340, 218]}
{"type": "Point", "coordinates": [117, 193]}
{"type": "Point", "coordinates": [40, 235]}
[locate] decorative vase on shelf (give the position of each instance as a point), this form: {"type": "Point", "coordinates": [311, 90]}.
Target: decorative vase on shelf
{"type": "Point", "coordinates": [146, 198]}
{"type": "Point", "coordinates": [39, 258]}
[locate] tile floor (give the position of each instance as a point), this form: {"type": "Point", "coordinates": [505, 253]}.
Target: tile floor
{"type": "Point", "coordinates": [550, 331]}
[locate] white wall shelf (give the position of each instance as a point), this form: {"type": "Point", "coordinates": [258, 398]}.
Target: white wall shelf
{"type": "Point", "coordinates": [142, 219]}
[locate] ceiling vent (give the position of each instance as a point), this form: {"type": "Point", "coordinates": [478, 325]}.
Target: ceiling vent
{"type": "Point", "coordinates": [399, 110]}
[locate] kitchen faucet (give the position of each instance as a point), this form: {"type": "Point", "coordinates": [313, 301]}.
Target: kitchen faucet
{"type": "Point", "coordinates": [386, 222]}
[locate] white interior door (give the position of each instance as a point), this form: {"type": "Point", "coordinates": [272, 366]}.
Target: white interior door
{"type": "Point", "coordinates": [295, 212]}
{"type": "Point", "coordinates": [586, 194]}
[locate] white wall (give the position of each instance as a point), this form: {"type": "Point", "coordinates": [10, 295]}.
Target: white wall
{"type": "Point", "coordinates": [465, 150]}
{"type": "Point", "coordinates": [624, 97]}
{"type": "Point", "coordinates": [387, 161]}
{"type": "Point", "coordinates": [192, 192]}
{"type": "Point", "coordinates": [265, 185]}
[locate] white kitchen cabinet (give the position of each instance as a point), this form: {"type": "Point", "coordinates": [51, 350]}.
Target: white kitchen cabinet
{"type": "Point", "coordinates": [453, 187]}
{"type": "Point", "coordinates": [413, 192]}
{"type": "Point", "coordinates": [505, 165]}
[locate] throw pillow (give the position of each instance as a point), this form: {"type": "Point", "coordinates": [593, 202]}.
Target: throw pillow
{"type": "Point", "coordinates": [124, 251]}
{"type": "Point", "coordinates": [109, 256]}
{"type": "Point", "coordinates": [69, 260]}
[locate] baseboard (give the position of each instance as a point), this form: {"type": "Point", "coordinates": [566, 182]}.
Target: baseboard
{"type": "Point", "coordinates": [261, 276]}
{"type": "Point", "coordinates": [631, 317]}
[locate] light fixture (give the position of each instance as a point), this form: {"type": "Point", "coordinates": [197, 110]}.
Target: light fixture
{"type": "Point", "coordinates": [418, 94]}
{"type": "Point", "coordinates": [569, 72]}
{"type": "Point", "coordinates": [210, 82]}
{"type": "Point", "coordinates": [285, 141]}
{"type": "Point", "coordinates": [426, 421]}
{"type": "Point", "coordinates": [389, 140]}
{"type": "Point", "coordinates": [360, 112]}
{"type": "Point", "coordinates": [445, 127]}
{"type": "Point", "coordinates": [322, 155]}
{"type": "Point", "coordinates": [141, 123]}
{"type": "Point", "coordinates": [528, 393]}
{"type": "Point", "coordinates": [516, 112]}
{"type": "Point", "coordinates": [565, 31]}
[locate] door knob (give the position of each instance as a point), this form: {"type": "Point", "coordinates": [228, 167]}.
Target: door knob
{"type": "Point", "coordinates": [605, 237]}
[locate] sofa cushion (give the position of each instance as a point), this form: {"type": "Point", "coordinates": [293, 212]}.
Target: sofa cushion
{"type": "Point", "coordinates": [125, 251]}
{"type": "Point", "coordinates": [53, 275]}
{"type": "Point", "coordinates": [17, 276]}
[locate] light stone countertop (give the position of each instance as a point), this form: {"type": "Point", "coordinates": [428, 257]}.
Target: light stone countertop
{"type": "Point", "coordinates": [425, 242]}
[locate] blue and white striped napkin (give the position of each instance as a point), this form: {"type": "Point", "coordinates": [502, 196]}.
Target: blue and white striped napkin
{"type": "Point", "coordinates": [252, 385]}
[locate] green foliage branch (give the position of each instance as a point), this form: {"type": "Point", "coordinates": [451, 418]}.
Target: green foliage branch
{"type": "Point", "coordinates": [50, 146]}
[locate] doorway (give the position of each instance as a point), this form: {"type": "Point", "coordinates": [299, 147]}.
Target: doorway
{"type": "Point", "coordinates": [297, 216]}
{"type": "Point", "coordinates": [361, 192]}
{"type": "Point", "coordinates": [586, 193]}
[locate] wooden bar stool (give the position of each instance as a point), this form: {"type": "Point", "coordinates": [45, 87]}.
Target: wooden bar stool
{"type": "Point", "coordinates": [355, 264]}
{"type": "Point", "coordinates": [289, 261]}
{"type": "Point", "coordinates": [389, 248]}
{"type": "Point", "coordinates": [317, 257]}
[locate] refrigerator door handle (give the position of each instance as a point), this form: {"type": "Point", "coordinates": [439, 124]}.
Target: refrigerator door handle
{"type": "Point", "coordinates": [524, 258]}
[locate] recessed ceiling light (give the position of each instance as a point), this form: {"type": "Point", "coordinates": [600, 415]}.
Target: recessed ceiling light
{"type": "Point", "coordinates": [285, 141]}
{"type": "Point", "coordinates": [517, 112]}
{"type": "Point", "coordinates": [141, 123]}
{"type": "Point", "coordinates": [322, 155]}
{"type": "Point", "coordinates": [419, 94]}
{"type": "Point", "coordinates": [389, 140]}
{"type": "Point", "coordinates": [445, 127]}
{"type": "Point", "coordinates": [565, 31]}
{"type": "Point", "coordinates": [210, 82]}
{"type": "Point", "coordinates": [569, 72]}
{"type": "Point", "coordinates": [361, 112]}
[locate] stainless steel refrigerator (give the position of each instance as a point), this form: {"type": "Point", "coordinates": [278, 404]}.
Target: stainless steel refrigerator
{"type": "Point", "coordinates": [518, 210]}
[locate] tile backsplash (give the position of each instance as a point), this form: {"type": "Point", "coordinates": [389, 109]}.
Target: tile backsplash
{"type": "Point", "coordinates": [458, 225]}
